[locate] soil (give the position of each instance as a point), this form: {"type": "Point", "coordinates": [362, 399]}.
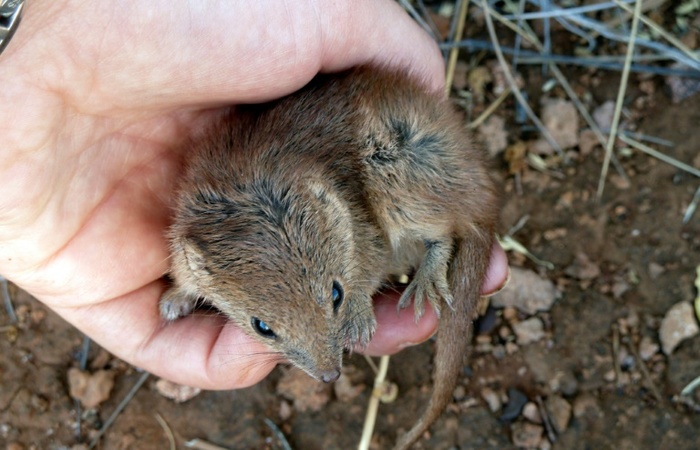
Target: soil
{"type": "Point", "coordinates": [619, 265]}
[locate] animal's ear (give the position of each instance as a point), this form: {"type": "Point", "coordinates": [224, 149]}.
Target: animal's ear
{"type": "Point", "coordinates": [193, 256]}
{"type": "Point", "coordinates": [326, 194]}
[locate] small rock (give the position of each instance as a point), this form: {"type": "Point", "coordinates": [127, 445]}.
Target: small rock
{"type": "Point", "coordinates": [583, 268]}
{"type": "Point", "coordinates": [586, 405]}
{"type": "Point", "coordinates": [678, 324]}
{"type": "Point", "coordinates": [681, 87]}
{"type": "Point", "coordinates": [510, 314]}
{"type": "Point", "coordinates": [559, 411]}
{"type": "Point", "coordinates": [285, 411]}
{"type": "Point", "coordinates": [528, 331]}
{"type": "Point", "coordinates": [620, 182]}
{"type": "Point", "coordinates": [603, 115]}
{"type": "Point", "coordinates": [647, 348]}
{"type": "Point", "coordinates": [459, 393]}
{"type": "Point", "coordinates": [567, 382]}
{"type": "Point", "coordinates": [620, 287]}
{"type": "Point", "coordinates": [90, 389]}
{"type": "Point", "coordinates": [587, 141]}
{"type": "Point", "coordinates": [306, 393]}
{"type": "Point", "coordinates": [526, 434]}
{"type": "Point", "coordinates": [532, 413]}
{"type": "Point", "coordinates": [655, 270]}
{"type": "Point", "coordinates": [526, 291]}
{"type": "Point", "coordinates": [491, 398]}
{"type": "Point", "coordinates": [610, 376]}
{"type": "Point", "coordinates": [494, 134]}
{"type": "Point", "coordinates": [516, 402]}
{"type": "Point", "coordinates": [177, 392]}
{"type": "Point", "coordinates": [555, 233]}
{"type": "Point", "coordinates": [37, 315]}
{"type": "Point", "coordinates": [560, 118]}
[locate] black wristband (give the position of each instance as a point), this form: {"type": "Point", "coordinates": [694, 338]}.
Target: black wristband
{"type": "Point", "coordinates": [10, 16]}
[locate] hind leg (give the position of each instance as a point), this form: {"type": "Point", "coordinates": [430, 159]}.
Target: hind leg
{"type": "Point", "coordinates": [430, 280]}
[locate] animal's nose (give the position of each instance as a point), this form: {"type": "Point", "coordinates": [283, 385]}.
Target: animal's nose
{"type": "Point", "coordinates": [329, 376]}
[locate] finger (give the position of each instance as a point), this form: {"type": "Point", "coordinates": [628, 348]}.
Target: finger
{"type": "Point", "coordinates": [202, 351]}
{"type": "Point", "coordinates": [498, 272]}
{"type": "Point", "coordinates": [396, 331]}
{"type": "Point", "coordinates": [214, 52]}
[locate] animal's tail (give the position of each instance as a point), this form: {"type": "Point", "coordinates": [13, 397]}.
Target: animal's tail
{"type": "Point", "coordinates": [466, 273]}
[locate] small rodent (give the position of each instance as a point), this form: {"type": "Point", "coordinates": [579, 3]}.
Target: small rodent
{"type": "Point", "coordinates": [293, 213]}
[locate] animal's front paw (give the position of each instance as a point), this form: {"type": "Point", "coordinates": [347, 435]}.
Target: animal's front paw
{"type": "Point", "coordinates": [175, 304]}
{"type": "Point", "coordinates": [360, 323]}
{"type": "Point", "coordinates": [430, 286]}
{"type": "Point", "coordinates": [430, 280]}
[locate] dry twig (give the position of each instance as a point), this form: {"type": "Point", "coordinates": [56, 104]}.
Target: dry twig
{"type": "Point", "coordinates": [166, 429]}
{"type": "Point", "coordinates": [513, 85]}
{"type": "Point", "coordinates": [125, 401]}
{"type": "Point", "coordinates": [620, 99]}
{"type": "Point", "coordinates": [454, 51]}
{"type": "Point", "coordinates": [278, 434]}
{"type": "Point", "coordinates": [371, 417]}
{"type": "Point", "coordinates": [199, 444]}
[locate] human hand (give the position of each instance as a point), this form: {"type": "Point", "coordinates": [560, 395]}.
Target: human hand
{"type": "Point", "coordinates": [96, 97]}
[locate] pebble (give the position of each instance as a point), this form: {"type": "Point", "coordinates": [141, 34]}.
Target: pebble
{"type": "Point", "coordinates": [527, 292]}
{"type": "Point", "coordinates": [561, 120]}
{"type": "Point", "coordinates": [90, 388]}
{"type": "Point", "coordinates": [285, 411]}
{"type": "Point", "coordinates": [583, 268]}
{"type": "Point", "coordinates": [559, 411]}
{"type": "Point", "coordinates": [494, 134]}
{"type": "Point", "coordinates": [516, 402]}
{"type": "Point", "coordinates": [510, 314]}
{"type": "Point", "coordinates": [647, 348]}
{"type": "Point", "coordinates": [459, 393]}
{"type": "Point", "coordinates": [655, 270]}
{"type": "Point", "coordinates": [528, 331]}
{"type": "Point", "coordinates": [678, 324]}
{"type": "Point", "coordinates": [603, 114]}
{"type": "Point", "coordinates": [526, 434]}
{"type": "Point", "coordinates": [587, 141]}
{"type": "Point", "coordinates": [492, 399]}
{"type": "Point", "coordinates": [532, 413]}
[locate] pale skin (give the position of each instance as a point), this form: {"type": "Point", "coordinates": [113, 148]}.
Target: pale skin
{"type": "Point", "coordinates": [96, 97]}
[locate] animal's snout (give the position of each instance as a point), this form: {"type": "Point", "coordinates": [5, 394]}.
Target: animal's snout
{"type": "Point", "coordinates": [329, 376]}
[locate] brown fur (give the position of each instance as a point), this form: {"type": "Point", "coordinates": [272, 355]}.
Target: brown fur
{"type": "Point", "coordinates": [357, 177]}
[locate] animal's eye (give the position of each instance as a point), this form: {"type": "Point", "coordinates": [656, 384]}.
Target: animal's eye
{"type": "Point", "coordinates": [337, 295]}
{"type": "Point", "coordinates": [262, 328]}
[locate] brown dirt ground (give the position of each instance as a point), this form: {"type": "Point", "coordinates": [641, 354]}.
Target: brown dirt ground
{"type": "Point", "coordinates": [634, 227]}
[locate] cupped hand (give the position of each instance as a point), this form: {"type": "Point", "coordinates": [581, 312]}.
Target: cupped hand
{"type": "Point", "coordinates": [96, 97]}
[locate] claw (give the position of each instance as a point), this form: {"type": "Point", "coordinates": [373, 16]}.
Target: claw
{"type": "Point", "coordinates": [429, 282]}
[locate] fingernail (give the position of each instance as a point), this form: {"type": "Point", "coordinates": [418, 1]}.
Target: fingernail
{"type": "Point", "coordinates": [404, 345]}
{"type": "Point", "coordinates": [503, 286]}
